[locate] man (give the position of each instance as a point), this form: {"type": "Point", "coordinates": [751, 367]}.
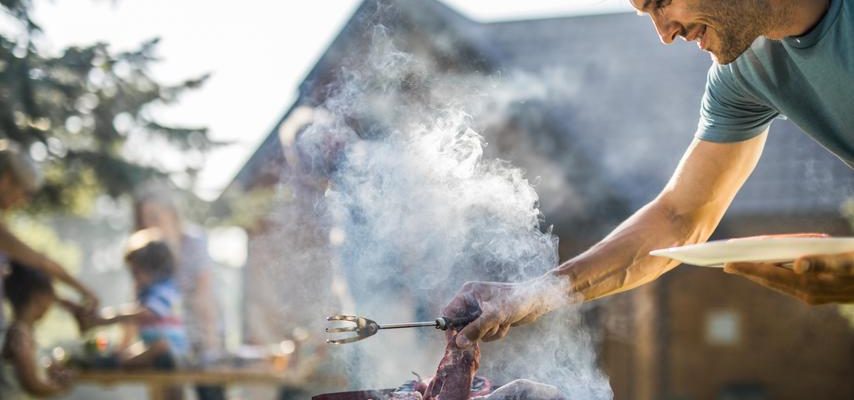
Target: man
{"type": "Point", "coordinates": [772, 57]}
{"type": "Point", "coordinates": [19, 179]}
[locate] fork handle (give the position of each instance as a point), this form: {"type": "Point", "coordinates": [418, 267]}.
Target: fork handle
{"type": "Point", "coordinates": [445, 323]}
{"type": "Point", "coordinates": [407, 325]}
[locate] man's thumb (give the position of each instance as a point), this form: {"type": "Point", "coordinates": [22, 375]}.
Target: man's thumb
{"type": "Point", "coordinates": [470, 334]}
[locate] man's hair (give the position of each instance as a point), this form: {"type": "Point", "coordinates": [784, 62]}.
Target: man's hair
{"type": "Point", "coordinates": [23, 283]}
{"type": "Point", "coordinates": [147, 250]}
{"type": "Point", "coordinates": [25, 171]}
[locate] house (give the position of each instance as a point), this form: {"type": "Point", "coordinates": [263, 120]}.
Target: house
{"type": "Point", "coordinates": [606, 115]}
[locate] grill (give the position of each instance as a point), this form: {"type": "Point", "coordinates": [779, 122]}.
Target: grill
{"type": "Point", "coordinates": [480, 386]}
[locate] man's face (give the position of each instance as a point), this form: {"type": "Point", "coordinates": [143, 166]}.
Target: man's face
{"type": "Point", "coordinates": [153, 215]}
{"type": "Point", "coordinates": [141, 277]}
{"type": "Point", "coordinates": [724, 28]}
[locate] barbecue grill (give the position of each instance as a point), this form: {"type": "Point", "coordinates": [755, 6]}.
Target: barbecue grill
{"type": "Point", "coordinates": [480, 386]}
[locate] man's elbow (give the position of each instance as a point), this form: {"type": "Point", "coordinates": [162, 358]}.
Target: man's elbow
{"type": "Point", "coordinates": [690, 223]}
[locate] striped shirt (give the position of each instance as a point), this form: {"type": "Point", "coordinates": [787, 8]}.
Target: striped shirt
{"type": "Point", "coordinates": [164, 301]}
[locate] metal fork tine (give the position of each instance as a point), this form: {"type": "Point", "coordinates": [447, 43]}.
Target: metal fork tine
{"type": "Point", "coordinates": [345, 341]}
{"type": "Point", "coordinates": [351, 318]}
{"type": "Point", "coordinates": [338, 330]}
{"type": "Point", "coordinates": [363, 328]}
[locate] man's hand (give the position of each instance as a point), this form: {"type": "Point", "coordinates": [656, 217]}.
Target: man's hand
{"type": "Point", "coordinates": [502, 306]}
{"type": "Point", "coordinates": [87, 297]}
{"type": "Point", "coordinates": [815, 279]}
{"type": "Point", "coordinates": [86, 318]}
{"type": "Point", "coordinates": [60, 375]}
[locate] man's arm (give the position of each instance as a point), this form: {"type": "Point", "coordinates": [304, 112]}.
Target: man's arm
{"type": "Point", "coordinates": [22, 356]}
{"type": "Point", "coordinates": [687, 211]}
{"type": "Point", "coordinates": [126, 314]}
{"type": "Point", "coordinates": [19, 251]}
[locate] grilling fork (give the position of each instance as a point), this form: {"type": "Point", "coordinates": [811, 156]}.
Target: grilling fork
{"type": "Point", "coordinates": [365, 328]}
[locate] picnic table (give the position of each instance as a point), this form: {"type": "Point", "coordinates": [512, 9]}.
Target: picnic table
{"type": "Point", "coordinates": [155, 381]}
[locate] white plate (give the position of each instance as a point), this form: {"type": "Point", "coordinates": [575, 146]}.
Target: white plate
{"type": "Point", "coordinates": [765, 249]}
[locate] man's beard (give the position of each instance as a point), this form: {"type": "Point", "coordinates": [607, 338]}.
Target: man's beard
{"type": "Point", "coordinates": [733, 45]}
{"type": "Point", "coordinates": [737, 24]}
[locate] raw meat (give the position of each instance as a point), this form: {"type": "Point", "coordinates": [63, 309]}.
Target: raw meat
{"type": "Point", "coordinates": [455, 373]}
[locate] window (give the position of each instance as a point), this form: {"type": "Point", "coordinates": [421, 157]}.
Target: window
{"type": "Point", "coordinates": [723, 328]}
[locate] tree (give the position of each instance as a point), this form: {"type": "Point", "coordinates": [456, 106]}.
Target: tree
{"type": "Point", "coordinates": [76, 112]}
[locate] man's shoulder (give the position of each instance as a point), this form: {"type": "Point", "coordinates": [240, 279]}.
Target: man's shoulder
{"type": "Point", "coordinates": [161, 288]}
{"type": "Point", "coordinates": [743, 75]}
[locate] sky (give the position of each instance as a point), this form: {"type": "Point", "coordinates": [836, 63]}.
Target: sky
{"type": "Point", "coordinates": [258, 53]}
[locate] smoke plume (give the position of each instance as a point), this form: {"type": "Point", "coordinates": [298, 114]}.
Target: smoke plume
{"type": "Point", "coordinates": [416, 209]}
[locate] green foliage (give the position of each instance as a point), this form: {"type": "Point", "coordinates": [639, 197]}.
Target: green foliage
{"type": "Point", "coordinates": [40, 236]}
{"type": "Point", "coordinates": [77, 112]}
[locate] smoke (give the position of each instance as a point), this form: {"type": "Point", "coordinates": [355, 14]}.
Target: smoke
{"type": "Point", "coordinates": [417, 208]}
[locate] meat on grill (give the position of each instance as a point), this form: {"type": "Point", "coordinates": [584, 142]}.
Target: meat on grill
{"type": "Point", "coordinates": [456, 371]}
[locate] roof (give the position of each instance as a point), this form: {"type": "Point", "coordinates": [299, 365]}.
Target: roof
{"type": "Point", "coordinates": [615, 97]}
{"type": "Point", "coordinates": [637, 105]}
{"type": "Point", "coordinates": [415, 17]}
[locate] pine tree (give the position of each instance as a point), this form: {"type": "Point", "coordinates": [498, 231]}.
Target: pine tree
{"type": "Point", "coordinates": [76, 112]}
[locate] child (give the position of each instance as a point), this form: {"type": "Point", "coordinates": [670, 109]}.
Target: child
{"type": "Point", "coordinates": [156, 311]}
{"type": "Point", "coordinates": [31, 294]}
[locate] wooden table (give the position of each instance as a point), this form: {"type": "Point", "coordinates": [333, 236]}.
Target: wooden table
{"type": "Point", "coordinates": [157, 380]}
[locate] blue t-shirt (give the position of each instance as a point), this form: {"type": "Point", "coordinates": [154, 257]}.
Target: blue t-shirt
{"type": "Point", "coordinates": [809, 79]}
{"type": "Point", "coordinates": [164, 301]}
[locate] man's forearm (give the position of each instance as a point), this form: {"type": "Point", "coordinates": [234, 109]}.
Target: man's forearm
{"type": "Point", "coordinates": [128, 313]}
{"type": "Point", "coordinates": [18, 250]}
{"type": "Point", "coordinates": [21, 252]}
{"type": "Point", "coordinates": [621, 261]}
{"type": "Point", "coordinates": [687, 211]}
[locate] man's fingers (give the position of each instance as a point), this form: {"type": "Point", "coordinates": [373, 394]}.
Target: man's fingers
{"type": "Point", "coordinates": [787, 235]}
{"type": "Point", "coordinates": [498, 333]}
{"type": "Point", "coordinates": [474, 331]}
{"type": "Point", "coordinates": [842, 263]}
{"type": "Point", "coordinates": [753, 269]}
{"type": "Point", "coordinates": [526, 320]}
{"type": "Point", "coordinates": [802, 265]}
{"type": "Point", "coordinates": [768, 275]}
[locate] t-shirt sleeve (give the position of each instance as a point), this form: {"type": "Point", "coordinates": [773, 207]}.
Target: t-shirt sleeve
{"type": "Point", "coordinates": [159, 300]}
{"type": "Point", "coordinates": [194, 253]}
{"type": "Point", "coordinates": [728, 112]}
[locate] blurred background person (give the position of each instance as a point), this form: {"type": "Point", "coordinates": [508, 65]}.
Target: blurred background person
{"type": "Point", "coordinates": [31, 295]}
{"type": "Point", "coordinates": [154, 207]}
{"type": "Point", "coordinates": [20, 178]}
{"type": "Point", "coordinates": [157, 311]}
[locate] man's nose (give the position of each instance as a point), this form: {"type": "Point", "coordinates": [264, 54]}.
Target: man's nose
{"type": "Point", "coordinates": [666, 28]}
